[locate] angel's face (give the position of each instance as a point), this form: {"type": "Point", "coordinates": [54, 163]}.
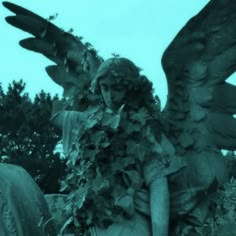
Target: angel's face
{"type": "Point", "coordinates": [113, 91]}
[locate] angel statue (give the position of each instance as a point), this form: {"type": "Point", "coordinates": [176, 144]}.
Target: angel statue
{"type": "Point", "coordinates": [133, 169]}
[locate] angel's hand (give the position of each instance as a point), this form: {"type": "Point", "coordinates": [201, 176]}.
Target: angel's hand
{"type": "Point", "coordinates": [142, 202]}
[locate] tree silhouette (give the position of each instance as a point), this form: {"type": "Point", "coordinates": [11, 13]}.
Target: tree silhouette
{"type": "Point", "coordinates": [27, 138]}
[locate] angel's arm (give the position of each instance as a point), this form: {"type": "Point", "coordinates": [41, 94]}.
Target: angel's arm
{"type": "Point", "coordinates": [155, 204]}
{"type": "Point", "coordinates": [62, 118]}
{"type": "Point", "coordinates": [156, 181]}
{"type": "Point", "coordinates": [156, 171]}
{"type": "Point", "coordinates": [159, 206]}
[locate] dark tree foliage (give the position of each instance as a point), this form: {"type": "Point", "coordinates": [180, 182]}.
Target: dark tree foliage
{"type": "Point", "coordinates": [231, 163]}
{"type": "Point", "coordinates": [27, 138]}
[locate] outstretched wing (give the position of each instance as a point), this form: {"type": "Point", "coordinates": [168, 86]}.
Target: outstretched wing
{"type": "Point", "coordinates": [201, 104]}
{"type": "Point", "coordinates": [74, 60]}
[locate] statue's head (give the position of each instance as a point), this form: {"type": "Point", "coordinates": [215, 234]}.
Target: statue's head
{"type": "Point", "coordinates": [114, 79]}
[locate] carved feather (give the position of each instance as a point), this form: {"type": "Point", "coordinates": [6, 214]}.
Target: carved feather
{"type": "Point", "coordinates": [197, 63]}
{"type": "Point", "coordinates": [74, 58]}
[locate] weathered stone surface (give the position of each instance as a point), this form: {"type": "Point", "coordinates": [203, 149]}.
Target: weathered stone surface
{"type": "Point", "coordinates": [23, 209]}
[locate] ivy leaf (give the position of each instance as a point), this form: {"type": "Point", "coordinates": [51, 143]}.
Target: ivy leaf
{"type": "Point", "coordinates": [73, 156]}
{"type": "Point", "coordinates": [93, 118]}
{"type": "Point", "coordinates": [68, 207]}
{"type": "Point", "coordinates": [76, 222]}
{"type": "Point", "coordinates": [89, 218]}
{"type": "Point", "coordinates": [65, 225]}
{"type": "Point", "coordinates": [97, 182]}
{"type": "Point", "coordinates": [70, 176]}
{"type": "Point", "coordinates": [132, 147]}
{"type": "Point", "coordinates": [132, 127]}
{"type": "Point", "coordinates": [127, 161]}
{"type": "Point", "coordinates": [152, 141]}
{"type": "Point", "coordinates": [80, 195]}
{"type": "Point", "coordinates": [90, 155]}
{"type": "Point", "coordinates": [105, 144]}
{"type": "Point", "coordinates": [133, 179]}
{"type": "Point", "coordinates": [116, 166]}
{"type": "Point", "coordinates": [140, 116]}
{"type": "Point", "coordinates": [64, 186]}
{"type": "Point", "coordinates": [111, 120]}
{"type": "Point", "coordinates": [97, 137]}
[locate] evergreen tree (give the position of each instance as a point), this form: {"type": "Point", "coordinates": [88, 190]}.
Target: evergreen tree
{"type": "Point", "coordinates": [27, 138]}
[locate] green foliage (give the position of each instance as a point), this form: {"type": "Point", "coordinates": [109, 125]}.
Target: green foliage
{"type": "Point", "coordinates": [89, 169]}
{"type": "Point", "coordinates": [26, 136]}
{"type": "Point", "coordinates": [104, 165]}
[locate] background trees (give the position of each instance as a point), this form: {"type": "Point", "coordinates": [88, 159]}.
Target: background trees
{"type": "Point", "coordinates": [27, 138]}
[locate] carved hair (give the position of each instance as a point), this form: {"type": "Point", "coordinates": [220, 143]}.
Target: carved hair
{"type": "Point", "coordinates": [139, 88]}
{"type": "Point", "coordinates": [118, 67]}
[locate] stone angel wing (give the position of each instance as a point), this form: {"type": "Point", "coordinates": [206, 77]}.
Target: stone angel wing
{"type": "Point", "coordinates": [198, 116]}
{"type": "Point", "coordinates": [197, 63]}
{"type": "Point", "coordinates": [74, 60]}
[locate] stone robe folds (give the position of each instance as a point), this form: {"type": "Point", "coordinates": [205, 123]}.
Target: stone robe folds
{"type": "Point", "coordinates": [23, 209]}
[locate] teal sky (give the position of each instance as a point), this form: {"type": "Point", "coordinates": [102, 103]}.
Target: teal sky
{"type": "Point", "coordinates": [137, 29]}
